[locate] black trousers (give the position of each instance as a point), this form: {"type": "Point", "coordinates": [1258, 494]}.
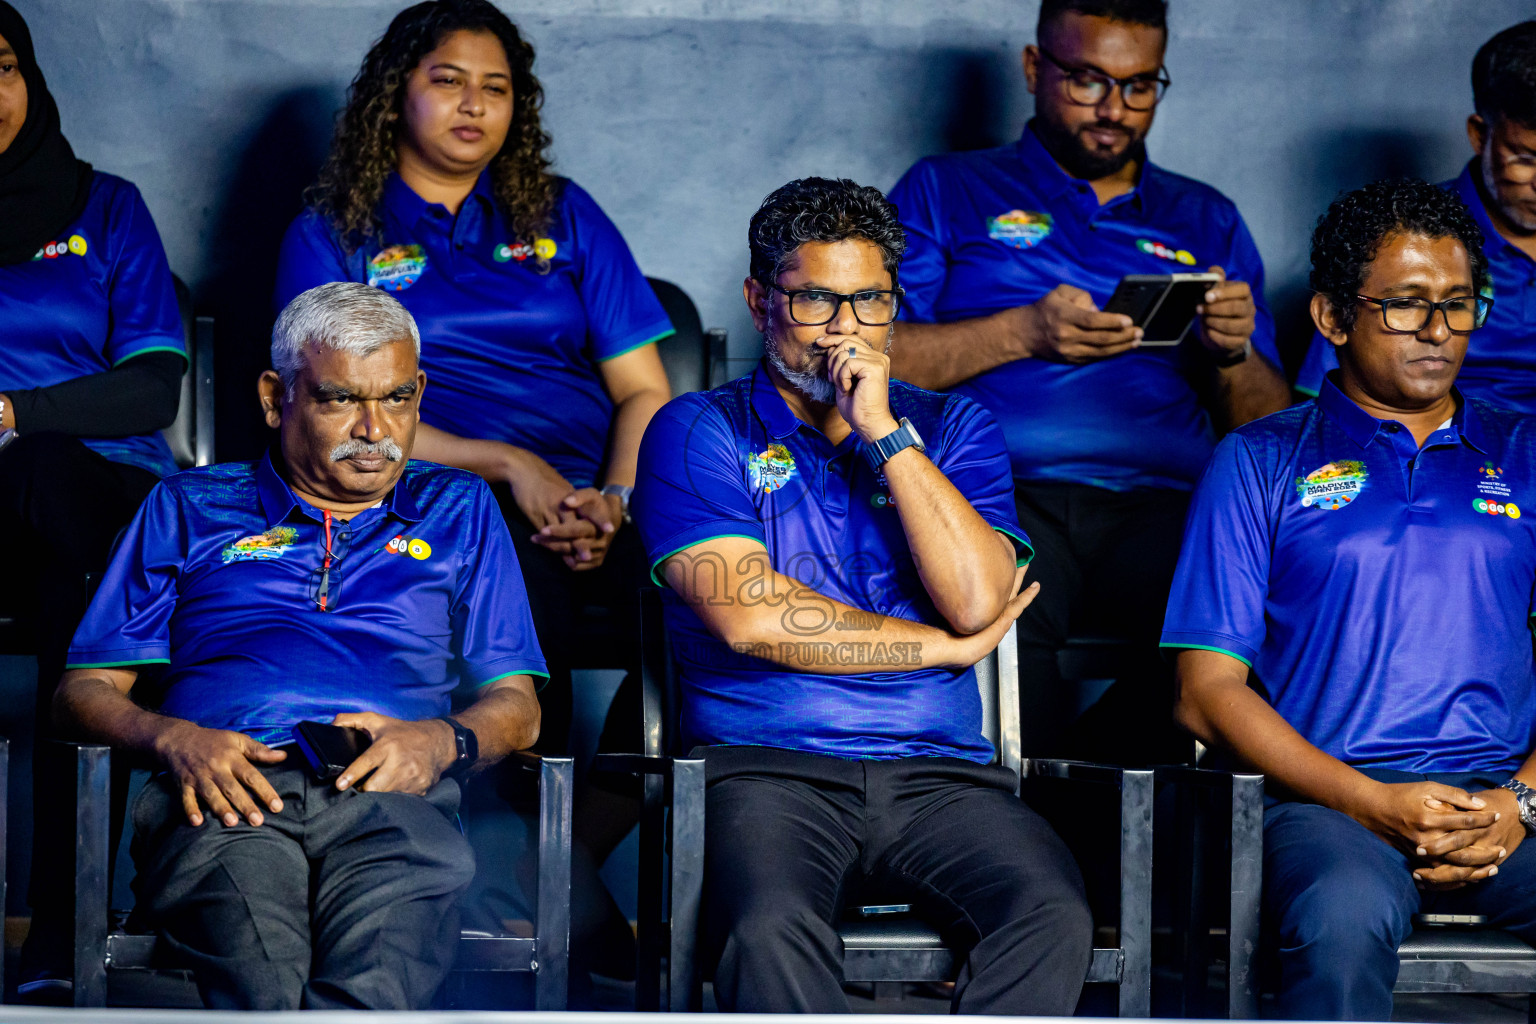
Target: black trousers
{"type": "Point", "coordinates": [793, 837]}
{"type": "Point", "coordinates": [1105, 562]}
{"type": "Point", "coordinates": [343, 900]}
{"type": "Point", "coordinates": [61, 507]}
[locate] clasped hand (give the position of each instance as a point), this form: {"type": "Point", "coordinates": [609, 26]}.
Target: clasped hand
{"type": "Point", "coordinates": [578, 524]}
{"type": "Point", "coordinates": [1451, 837]}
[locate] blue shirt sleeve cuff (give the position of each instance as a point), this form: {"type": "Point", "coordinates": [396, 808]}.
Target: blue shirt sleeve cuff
{"type": "Point", "coordinates": [698, 533]}
{"type": "Point", "coordinates": [485, 675]}
{"type": "Point", "coordinates": [1023, 550]}
{"type": "Point", "coordinates": [1221, 643]}
{"type": "Point", "coordinates": [638, 339]}
{"type": "Point", "coordinates": [118, 657]}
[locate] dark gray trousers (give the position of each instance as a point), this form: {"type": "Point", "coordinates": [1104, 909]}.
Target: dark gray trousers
{"type": "Point", "coordinates": [792, 837]}
{"type": "Point", "coordinates": [341, 900]}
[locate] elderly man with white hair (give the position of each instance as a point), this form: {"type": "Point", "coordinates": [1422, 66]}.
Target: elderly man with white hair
{"type": "Point", "coordinates": [330, 582]}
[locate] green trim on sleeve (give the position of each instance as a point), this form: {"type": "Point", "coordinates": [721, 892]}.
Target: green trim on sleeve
{"type": "Point", "coordinates": [1303, 391]}
{"type": "Point", "coordinates": [641, 344]}
{"type": "Point", "coordinates": [509, 675]}
{"type": "Point", "coordinates": [116, 664]}
{"type": "Point", "coordinates": [154, 348]}
{"type": "Point", "coordinates": [692, 544]}
{"type": "Point", "coordinates": [1019, 540]}
{"type": "Point", "coordinates": [1203, 647]}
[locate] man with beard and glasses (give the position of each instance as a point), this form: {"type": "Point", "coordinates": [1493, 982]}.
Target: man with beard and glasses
{"type": "Point", "coordinates": [841, 549]}
{"type": "Point", "coordinates": [329, 582]}
{"type": "Point", "coordinates": [1014, 253]}
{"type": "Point", "coordinates": [1499, 186]}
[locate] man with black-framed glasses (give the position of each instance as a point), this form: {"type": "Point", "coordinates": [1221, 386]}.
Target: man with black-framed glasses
{"type": "Point", "coordinates": [840, 550]}
{"type": "Point", "coordinates": [1014, 254]}
{"type": "Point", "coordinates": [1352, 614]}
{"type": "Point", "coordinates": [1499, 186]}
{"type": "Point", "coordinates": [332, 582]}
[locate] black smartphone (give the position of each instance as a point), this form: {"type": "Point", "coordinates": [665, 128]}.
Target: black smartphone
{"type": "Point", "coordinates": [1162, 305]}
{"type": "Point", "coordinates": [329, 748]}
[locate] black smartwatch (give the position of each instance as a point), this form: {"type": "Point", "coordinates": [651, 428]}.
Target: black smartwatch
{"type": "Point", "coordinates": [1234, 357]}
{"type": "Point", "coordinates": [466, 746]}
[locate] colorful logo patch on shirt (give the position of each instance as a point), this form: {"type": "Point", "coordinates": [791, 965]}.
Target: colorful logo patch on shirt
{"type": "Point", "coordinates": [1332, 486]}
{"type": "Point", "coordinates": [1022, 229]}
{"type": "Point", "coordinates": [544, 248]}
{"type": "Point", "coordinates": [53, 250]}
{"type": "Point", "coordinates": [1497, 508]}
{"type": "Point", "coordinates": [1490, 482]}
{"type": "Point", "coordinates": [1162, 251]}
{"type": "Point", "coordinates": [397, 268]}
{"type": "Point", "coordinates": [769, 470]}
{"type": "Point", "coordinates": [415, 547]}
{"type": "Point", "coordinates": [260, 546]}
{"type": "Point", "coordinates": [506, 251]}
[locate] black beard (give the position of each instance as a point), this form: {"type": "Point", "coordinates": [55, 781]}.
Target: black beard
{"type": "Point", "coordinates": [1067, 150]}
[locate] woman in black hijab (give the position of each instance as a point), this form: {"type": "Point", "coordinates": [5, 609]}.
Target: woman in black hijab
{"type": "Point", "coordinates": [91, 358]}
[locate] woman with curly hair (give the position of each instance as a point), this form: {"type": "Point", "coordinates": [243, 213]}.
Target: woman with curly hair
{"type": "Point", "coordinates": [538, 329]}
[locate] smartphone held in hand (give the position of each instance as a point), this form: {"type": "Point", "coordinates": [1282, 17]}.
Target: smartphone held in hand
{"type": "Point", "coordinates": [328, 749]}
{"type": "Point", "coordinates": [1162, 305]}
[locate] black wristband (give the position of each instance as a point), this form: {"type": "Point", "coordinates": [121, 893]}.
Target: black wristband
{"type": "Point", "coordinates": [467, 748]}
{"type": "Point", "coordinates": [1232, 358]}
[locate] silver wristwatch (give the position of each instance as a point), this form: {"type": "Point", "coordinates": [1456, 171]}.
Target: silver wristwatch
{"type": "Point", "coordinates": [1525, 797]}
{"type": "Point", "coordinates": [623, 493]}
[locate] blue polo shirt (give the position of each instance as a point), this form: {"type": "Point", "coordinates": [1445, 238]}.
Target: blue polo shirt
{"type": "Point", "coordinates": [97, 294]}
{"type": "Point", "coordinates": [1500, 366]}
{"type": "Point", "coordinates": [218, 577]}
{"type": "Point", "coordinates": [512, 353]}
{"type": "Point", "coordinates": [997, 228]}
{"type": "Point", "coordinates": [1380, 591]}
{"type": "Point", "coordinates": [736, 461]}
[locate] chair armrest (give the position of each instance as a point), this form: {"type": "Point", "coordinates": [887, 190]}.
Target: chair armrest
{"type": "Point", "coordinates": [1218, 810]}
{"type": "Point", "coordinates": [1135, 786]}
{"type": "Point", "coordinates": [552, 913]}
{"type": "Point", "coordinates": [92, 814]}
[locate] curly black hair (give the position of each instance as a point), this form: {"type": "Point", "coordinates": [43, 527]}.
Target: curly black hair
{"type": "Point", "coordinates": [1152, 13]}
{"type": "Point", "coordinates": [363, 154]}
{"type": "Point", "coordinates": [1504, 76]}
{"type": "Point", "coordinates": [822, 210]}
{"type": "Point", "coordinates": [1348, 236]}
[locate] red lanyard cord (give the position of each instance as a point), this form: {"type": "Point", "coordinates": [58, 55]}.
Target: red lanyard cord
{"type": "Point", "coordinates": [325, 566]}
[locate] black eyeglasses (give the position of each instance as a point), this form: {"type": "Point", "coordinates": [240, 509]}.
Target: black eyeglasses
{"type": "Point", "coordinates": [1088, 88]}
{"type": "Point", "coordinates": [1405, 315]}
{"type": "Point", "coordinates": [812, 307]}
{"type": "Point", "coordinates": [325, 579]}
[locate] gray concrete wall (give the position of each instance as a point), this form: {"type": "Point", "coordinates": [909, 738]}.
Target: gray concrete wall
{"type": "Point", "coordinates": [680, 115]}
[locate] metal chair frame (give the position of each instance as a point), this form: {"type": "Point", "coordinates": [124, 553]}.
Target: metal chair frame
{"type": "Point", "coordinates": [1452, 959]}
{"type": "Point", "coordinates": [878, 948]}
{"type": "Point", "coordinates": [102, 953]}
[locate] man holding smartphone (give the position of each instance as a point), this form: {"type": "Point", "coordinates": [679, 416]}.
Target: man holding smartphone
{"type": "Point", "coordinates": [1014, 254]}
{"type": "Point", "coordinates": [330, 586]}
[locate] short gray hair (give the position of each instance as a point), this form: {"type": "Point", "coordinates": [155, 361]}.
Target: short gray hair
{"type": "Point", "coordinates": [343, 316]}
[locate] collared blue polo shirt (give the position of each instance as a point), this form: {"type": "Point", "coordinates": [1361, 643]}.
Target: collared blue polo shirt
{"type": "Point", "coordinates": [512, 352]}
{"type": "Point", "coordinates": [218, 576]}
{"type": "Point", "coordinates": [1500, 366]}
{"type": "Point", "coordinates": [97, 294]}
{"type": "Point", "coordinates": [736, 461]}
{"type": "Point", "coordinates": [997, 228]}
{"type": "Point", "coordinates": [1380, 591]}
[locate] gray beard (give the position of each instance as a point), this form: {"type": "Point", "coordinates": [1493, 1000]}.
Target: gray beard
{"type": "Point", "coordinates": [1491, 186]}
{"type": "Point", "coordinates": [812, 385]}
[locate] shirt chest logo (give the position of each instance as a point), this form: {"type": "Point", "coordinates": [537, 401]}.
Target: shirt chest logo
{"type": "Point", "coordinates": [1332, 485]}
{"type": "Point", "coordinates": [1495, 493]}
{"type": "Point", "coordinates": [397, 268]}
{"type": "Point", "coordinates": [53, 250]}
{"type": "Point", "coordinates": [767, 471]}
{"type": "Point", "coordinates": [1164, 252]}
{"type": "Point", "coordinates": [260, 546]}
{"type": "Point", "coordinates": [543, 248]}
{"type": "Point", "coordinates": [1021, 229]}
{"type": "Point", "coordinates": [413, 546]}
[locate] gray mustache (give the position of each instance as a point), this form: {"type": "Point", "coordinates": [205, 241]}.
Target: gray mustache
{"type": "Point", "coordinates": [353, 447]}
